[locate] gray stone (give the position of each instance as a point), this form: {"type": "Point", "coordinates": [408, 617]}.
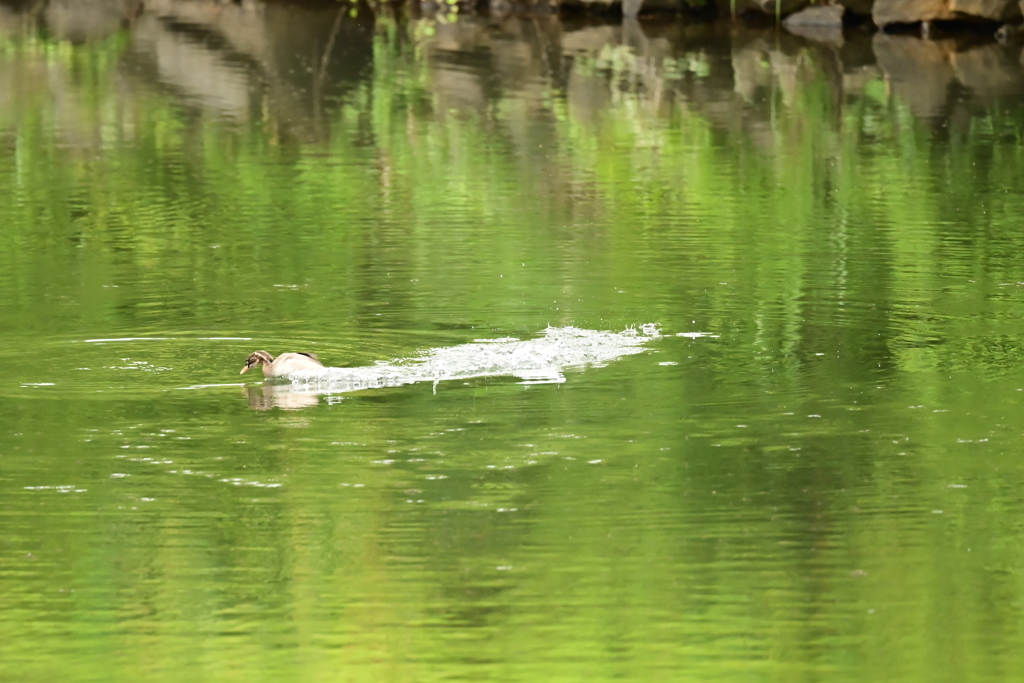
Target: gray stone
{"type": "Point", "coordinates": [817, 16]}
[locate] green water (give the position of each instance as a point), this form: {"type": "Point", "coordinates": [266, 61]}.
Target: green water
{"type": "Point", "coordinates": [827, 487]}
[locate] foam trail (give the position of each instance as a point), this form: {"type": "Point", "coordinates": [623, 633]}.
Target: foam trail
{"type": "Point", "coordinates": [536, 360]}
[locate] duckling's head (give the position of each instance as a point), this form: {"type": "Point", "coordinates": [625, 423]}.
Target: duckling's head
{"type": "Point", "coordinates": [255, 359]}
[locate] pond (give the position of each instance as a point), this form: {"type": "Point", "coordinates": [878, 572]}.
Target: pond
{"type": "Point", "coordinates": [659, 350]}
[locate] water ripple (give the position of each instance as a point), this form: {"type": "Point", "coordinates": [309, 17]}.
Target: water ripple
{"type": "Point", "coordinates": [536, 360]}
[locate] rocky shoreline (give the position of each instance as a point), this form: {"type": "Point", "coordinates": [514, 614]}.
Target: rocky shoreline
{"type": "Point", "coordinates": [1002, 19]}
{"type": "Point", "coordinates": [277, 61]}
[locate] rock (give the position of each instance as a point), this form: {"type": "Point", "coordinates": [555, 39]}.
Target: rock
{"type": "Point", "coordinates": [820, 15]}
{"type": "Point", "coordinates": [768, 6]}
{"type": "Point", "coordinates": [823, 24]}
{"type": "Point", "coordinates": [887, 12]}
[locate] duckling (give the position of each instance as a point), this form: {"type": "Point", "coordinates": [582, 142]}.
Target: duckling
{"type": "Point", "coordinates": [285, 364]}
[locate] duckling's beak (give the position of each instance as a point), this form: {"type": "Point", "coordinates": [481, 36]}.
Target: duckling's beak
{"type": "Point", "coordinates": [246, 368]}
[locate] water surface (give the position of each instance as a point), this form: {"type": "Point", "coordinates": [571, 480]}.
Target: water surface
{"type": "Point", "coordinates": [811, 472]}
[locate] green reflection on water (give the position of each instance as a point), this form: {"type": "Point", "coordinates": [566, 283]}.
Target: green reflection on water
{"type": "Point", "coordinates": [828, 489]}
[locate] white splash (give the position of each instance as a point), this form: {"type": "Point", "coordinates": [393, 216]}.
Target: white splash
{"type": "Point", "coordinates": [540, 360]}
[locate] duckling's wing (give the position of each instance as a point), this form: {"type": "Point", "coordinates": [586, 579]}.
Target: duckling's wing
{"type": "Point", "coordinates": [310, 355]}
